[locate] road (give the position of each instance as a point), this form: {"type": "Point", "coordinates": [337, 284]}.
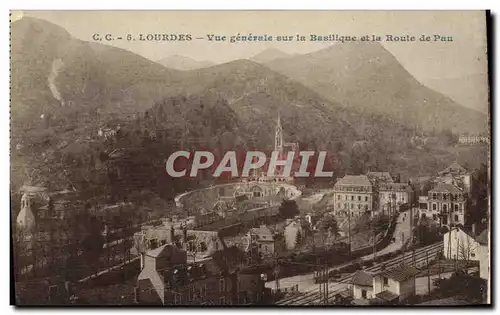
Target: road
{"type": "Point", "coordinates": [402, 235]}
{"type": "Point", "coordinates": [306, 281]}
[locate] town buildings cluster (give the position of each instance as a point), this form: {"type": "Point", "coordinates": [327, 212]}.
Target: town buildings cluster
{"type": "Point", "coordinates": [373, 193]}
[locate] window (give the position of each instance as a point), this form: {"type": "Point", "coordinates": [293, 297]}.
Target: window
{"type": "Point", "coordinates": [352, 197]}
{"type": "Point", "coordinates": [352, 206]}
{"type": "Point", "coordinates": [366, 198]}
{"type": "Point", "coordinates": [359, 207]}
{"type": "Point", "coordinates": [434, 207]}
{"type": "Point", "coordinates": [363, 294]}
{"type": "Point", "coordinates": [456, 217]}
{"type": "Point", "coordinates": [338, 197]}
{"type": "Point", "coordinates": [456, 207]}
{"type": "Point", "coordinates": [434, 196]}
{"type": "Point", "coordinates": [434, 217]}
{"type": "Point", "coordinates": [445, 207]}
{"type": "Point", "coordinates": [386, 281]}
{"type": "Point", "coordinates": [472, 255]}
{"type": "Point", "coordinates": [359, 198]}
{"type": "Point", "coordinates": [222, 285]}
{"type": "Point", "coordinates": [445, 196]}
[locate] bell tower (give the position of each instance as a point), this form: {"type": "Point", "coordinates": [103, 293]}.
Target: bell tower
{"type": "Point", "coordinates": [25, 219]}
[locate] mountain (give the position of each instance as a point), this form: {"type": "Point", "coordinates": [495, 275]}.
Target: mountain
{"type": "Point", "coordinates": [64, 90]}
{"type": "Point", "coordinates": [54, 74]}
{"type": "Point", "coordinates": [183, 63]}
{"type": "Point", "coordinates": [269, 55]}
{"type": "Point", "coordinates": [366, 77]}
{"type": "Point", "coordinates": [470, 90]}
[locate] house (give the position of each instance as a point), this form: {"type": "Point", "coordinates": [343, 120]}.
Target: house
{"type": "Point", "coordinates": [457, 175]}
{"type": "Point", "coordinates": [263, 238]}
{"type": "Point", "coordinates": [362, 285]}
{"type": "Point", "coordinates": [167, 279]}
{"type": "Point", "coordinates": [393, 195]}
{"type": "Point", "coordinates": [198, 244]}
{"type": "Point", "coordinates": [353, 196]}
{"type": "Point", "coordinates": [395, 284]}
{"type": "Point", "coordinates": [461, 245]}
{"type": "Point", "coordinates": [446, 204]}
{"type": "Point", "coordinates": [483, 254]}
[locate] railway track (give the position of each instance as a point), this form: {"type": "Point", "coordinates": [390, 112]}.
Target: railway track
{"type": "Point", "coordinates": [419, 256]}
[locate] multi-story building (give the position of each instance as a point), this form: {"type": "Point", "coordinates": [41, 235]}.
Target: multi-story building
{"type": "Point", "coordinates": [354, 195]}
{"type": "Point", "coordinates": [446, 204]}
{"type": "Point", "coordinates": [472, 139]}
{"type": "Point", "coordinates": [263, 239]}
{"type": "Point", "coordinates": [457, 175]}
{"type": "Point", "coordinates": [393, 195]}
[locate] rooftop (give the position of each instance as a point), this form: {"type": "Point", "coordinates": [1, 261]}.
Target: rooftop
{"type": "Point", "coordinates": [263, 232]}
{"type": "Point", "coordinates": [362, 278]}
{"type": "Point", "coordinates": [446, 188]}
{"type": "Point", "coordinates": [455, 168]}
{"type": "Point", "coordinates": [395, 187]}
{"type": "Point", "coordinates": [483, 238]}
{"type": "Point", "coordinates": [387, 295]}
{"type": "Point", "coordinates": [386, 176]}
{"type": "Point", "coordinates": [400, 273]}
{"type": "Point", "coordinates": [354, 180]}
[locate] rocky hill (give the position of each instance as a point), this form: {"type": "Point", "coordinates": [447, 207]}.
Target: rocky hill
{"type": "Point", "coordinates": [366, 77]}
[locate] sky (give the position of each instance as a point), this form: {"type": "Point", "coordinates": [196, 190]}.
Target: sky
{"type": "Point", "coordinates": [465, 57]}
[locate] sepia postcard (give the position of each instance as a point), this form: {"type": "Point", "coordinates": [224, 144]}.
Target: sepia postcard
{"type": "Point", "coordinates": [250, 158]}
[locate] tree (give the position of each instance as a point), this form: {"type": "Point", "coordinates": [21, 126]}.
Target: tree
{"type": "Point", "coordinates": [329, 224]}
{"type": "Point", "coordinates": [289, 209]}
{"type": "Point", "coordinates": [298, 239]}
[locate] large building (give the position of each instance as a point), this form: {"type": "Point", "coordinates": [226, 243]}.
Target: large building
{"type": "Point", "coordinates": [472, 139]}
{"type": "Point", "coordinates": [393, 195]}
{"type": "Point", "coordinates": [198, 244]}
{"type": "Point", "coordinates": [354, 195]}
{"type": "Point", "coordinates": [446, 204]}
